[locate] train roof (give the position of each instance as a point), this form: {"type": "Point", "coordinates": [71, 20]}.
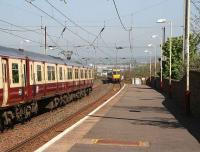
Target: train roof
{"type": "Point", "coordinates": [45, 58]}
{"type": "Point", "coordinates": [10, 52]}
{"type": "Point", "coordinates": [17, 53]}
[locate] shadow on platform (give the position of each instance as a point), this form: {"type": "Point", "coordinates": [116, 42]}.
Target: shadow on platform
{"type": "Point", "coordinates": [164, 123]}
{"type": "Point", "coordinates": [192, 124]}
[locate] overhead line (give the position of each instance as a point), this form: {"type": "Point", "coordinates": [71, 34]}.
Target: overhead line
{"type": "Point", "coordinates": [1, 20]}
{"type": "Point", "coordinates": [119, 17]}
{"type": "Point", "coordinates": [20, 37]}
{"type": "Point", "coordinates": [60, 23]}
{"type": "Point", "coordinates": [70, 19]}
{"type": "Point", "coordinates": [15, 30]}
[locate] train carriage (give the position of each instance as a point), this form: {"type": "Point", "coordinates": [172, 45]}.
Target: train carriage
{"type": "Point", "coordinates": [28, 78]}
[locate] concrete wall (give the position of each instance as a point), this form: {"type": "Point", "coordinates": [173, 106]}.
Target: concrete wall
{"type": "Point", "coordinates": [178, 90]}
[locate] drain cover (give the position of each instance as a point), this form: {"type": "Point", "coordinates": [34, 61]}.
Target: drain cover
{"type": "Point", "coordinates": [134, 111]}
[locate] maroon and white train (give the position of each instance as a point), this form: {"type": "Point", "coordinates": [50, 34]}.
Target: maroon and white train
{"type": "Point", "coordinates": [30, 80]}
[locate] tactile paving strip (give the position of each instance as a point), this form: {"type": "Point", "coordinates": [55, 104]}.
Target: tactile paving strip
{"type": "Point", "coordinates": [121, 143]}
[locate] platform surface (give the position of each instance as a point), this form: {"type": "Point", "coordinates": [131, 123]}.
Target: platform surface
{"type": "Point", "coordinates": [137, 120]}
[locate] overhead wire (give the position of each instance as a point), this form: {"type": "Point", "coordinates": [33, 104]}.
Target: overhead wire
{"type": "Point", "coordinates": [69, 19]}
{"type": "Point", "coordinates": [122, 24]}
{"type": "Point", "coordinates": [24, 28]}
{"type": "Point", "coordinates": [56, 20]}
{"type": "Point", "coordinates": [20, 37]}
{"type": "Point", "coordinates": [96, 36]}
{"type": "Point", "coordinates": [15, 30]}
{"type": "Point", "coordinates": [59, 48]}
{"type": "Point", "coordinates": [141, 10]}
{"type": "Point", "coordinates": [83, 39]}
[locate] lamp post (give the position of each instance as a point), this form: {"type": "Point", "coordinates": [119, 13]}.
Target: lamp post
{"type": "Point", "coordinates": [155, 56]}
{"type": "Point", "coordinates": [187, 50]}
{"type": "Point", "coordinates": [147, 51]}
{"type": "Point", "coordinates": [161, 60]}
{"type": "Point", "coordinates": [170, 54]}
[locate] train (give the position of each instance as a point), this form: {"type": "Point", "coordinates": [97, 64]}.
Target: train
{"type": "Point", "coordinates": [30, 81]}
{"type": "Point", "coordinates": [114, 76]}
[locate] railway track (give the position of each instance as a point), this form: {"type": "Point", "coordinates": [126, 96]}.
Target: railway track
{"type": "Point", "coordinates": [37, 140]}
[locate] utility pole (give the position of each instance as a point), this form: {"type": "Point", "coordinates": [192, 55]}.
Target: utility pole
{"type": "Point", "coordinates": [170, 61]}
{"type": "Point", "coordinates": [131, 51]}
{"type": "Point", "coordinates": [164, 34]}
{"type": "Point", "coordinates": [187, 50]}
{"type": "Point", "coordinates": [183, 51]}
{"type": "Point", "coordinates": [161, 63]}
{"type": "Point", "coordinates": [150, 65]}
{"type": "Point", "coordinates": [155, 61]}
{"type": "Point", "coordinates": [45, 40]}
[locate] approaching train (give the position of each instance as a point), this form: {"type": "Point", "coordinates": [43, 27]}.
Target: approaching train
{"type": "Point", "coordinates": [114, 75]}
{"type": "Point", "coordinates": [29, 81]}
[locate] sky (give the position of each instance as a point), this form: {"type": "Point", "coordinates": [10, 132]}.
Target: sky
{"type": "Point", "coordinates": [90, 16]}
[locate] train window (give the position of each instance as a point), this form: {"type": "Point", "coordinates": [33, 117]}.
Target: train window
{"type": "Point", "coordinates": [76, 73]}
{"type": "Point", "coordinates": [82, 76]}
{"type": "Point", "coordinates": [24, 76]}
{"type": "Point", "coordinates": [69, 73]}
{"type": "Point", "coordinates": [60, 73]}
{"type": "Point", "coordinates": [4, 72]}
{"type": "Point", "coordinates": [86, 75]}
{"type": "Point", "coordinates": [65, 76]}
{"type": "Point", "coordinates": [39, 73]}
{"type": "Point", "coordinates": [92, 73]}
{"type": "Point", "coordinates": [31, 72]}
{"type": "Point", "coordinates": [89, 73]}
{"type": "Point", "coordinates": [15, 73]}
{"type": "Point", "coordinates": [51, 73]}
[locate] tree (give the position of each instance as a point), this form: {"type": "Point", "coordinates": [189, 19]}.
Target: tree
{"type": "Point", "coordinates": [177, 62]}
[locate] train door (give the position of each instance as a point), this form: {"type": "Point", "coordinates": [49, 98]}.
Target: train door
{"type": "Point", "coordinates": [24, 79]}
{"type": "Point", "coordinates": [5, 80]}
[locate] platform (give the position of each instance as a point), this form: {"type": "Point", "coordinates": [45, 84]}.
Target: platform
{"type": "Point", "coordinates": [136, 120]}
